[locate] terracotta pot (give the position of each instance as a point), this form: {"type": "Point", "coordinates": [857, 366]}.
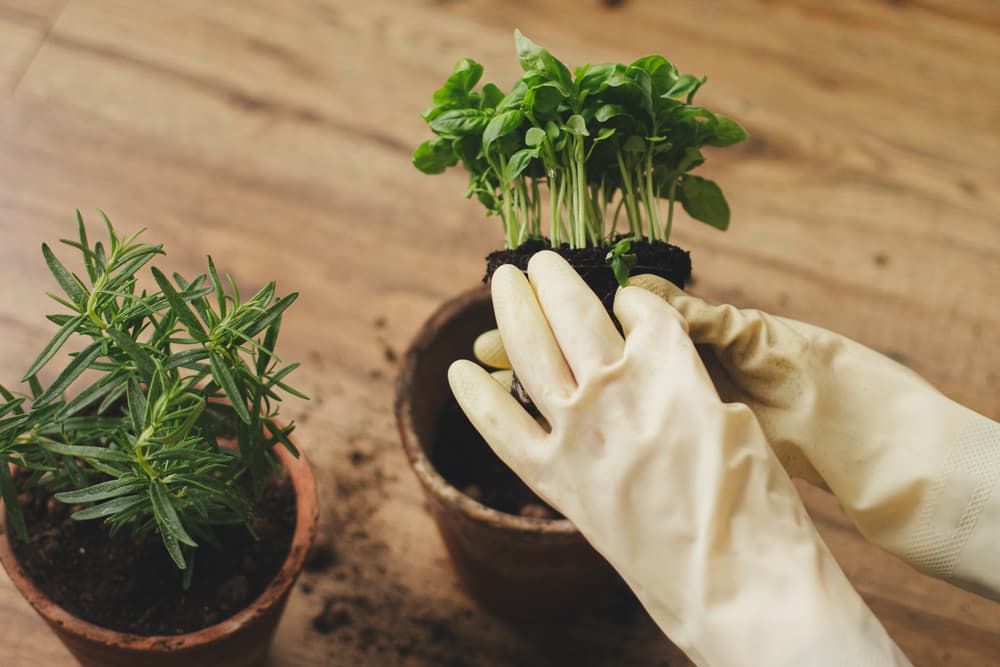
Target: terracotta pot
{"type": "Point", "coordinates": [523, 568]}
{"type": "Point", "coordinates": [242, 639]}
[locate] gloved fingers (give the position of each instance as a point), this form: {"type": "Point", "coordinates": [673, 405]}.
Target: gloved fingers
{"type": "Point", "coordinates": [654, 329]}
{"type": "Point", "coordinates": [789, 454]}
{"type": "Point", "coordinates": [729, 390]}
{"type": "Point", "coordinates": [738, 335]}
{"type": "Point", "coordinates": [586, 335]}
{"type": "Point", "coordinates": [505, 425]}
{"type": "Point", "coordinates": [661, 287]}
{"type": "Point", "coordinates": [707, 322]}
{"type": "Point", "coordinates": [504, 377]}
{"type": "Point", "coordinates": [637, 308]}
{"type": "Point", "coordinates": [530, 344]}
{"type": "Point", "coordinates": [702, 317]}
{"type": "Point", "coordinates": [488, 349]}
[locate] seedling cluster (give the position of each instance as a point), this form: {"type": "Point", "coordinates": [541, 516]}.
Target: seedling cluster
{"type": "Point", "coordinates": [601, 140]}
{"type": "Point", "coordinates": [134, 426]}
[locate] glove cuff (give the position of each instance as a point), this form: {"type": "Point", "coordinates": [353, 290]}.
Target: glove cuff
{"type": "Point", "coordinates": [957, 536]}
{"type": "Point", "coordinates": [863, 643]}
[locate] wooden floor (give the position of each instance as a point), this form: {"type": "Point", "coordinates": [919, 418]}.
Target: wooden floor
{"type": "Point", "coordinates": [276, 135]}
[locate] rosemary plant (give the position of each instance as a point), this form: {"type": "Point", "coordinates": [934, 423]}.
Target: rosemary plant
{"type": "Point", "coordinates": [604, 139]}
{"type": "Point", "coordinates": [134, 426]}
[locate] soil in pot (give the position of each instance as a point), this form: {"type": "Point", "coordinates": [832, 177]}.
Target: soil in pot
{"type": "Point", "coordinates": [465, 460]}
{"type": "Point", "coordinates": [658, 258]}
{"type": "Point", "coordinates": [460, 454]}
{"type": "Point", "coordinates": [131, 585]}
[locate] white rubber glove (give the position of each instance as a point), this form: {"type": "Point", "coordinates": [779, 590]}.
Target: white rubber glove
{"type": "Point", "coordinates": [918, 473]}
{"type": "Point", "coordinates": [678, 490]}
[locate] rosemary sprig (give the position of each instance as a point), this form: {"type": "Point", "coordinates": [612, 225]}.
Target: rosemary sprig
{"type": "Point", "coordinates": [134, 425]}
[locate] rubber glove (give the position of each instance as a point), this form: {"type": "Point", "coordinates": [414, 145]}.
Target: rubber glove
{"type": "Point", "coordinates": [918, 473]}
{"type": "Point", "coordinates": [678, 490]}
{"type": "Point", "coordinates": [488, 349]}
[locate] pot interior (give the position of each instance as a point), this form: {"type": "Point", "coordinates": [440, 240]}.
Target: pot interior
{"type": "Point", "coordinates": [449, 456]}
{"type": "Point", "coordinates": [454, 331]}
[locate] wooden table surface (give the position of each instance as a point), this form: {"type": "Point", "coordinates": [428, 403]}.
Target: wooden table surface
{"type": "Point", "coordinates": [276, 135]}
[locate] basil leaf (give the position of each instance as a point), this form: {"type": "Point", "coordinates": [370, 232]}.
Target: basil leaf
{"type": "Point", "coordinates": [536, 59]}
{"type": "Point", "coordinates": [534, 136]}
{"type": "Point", "coordinates": [458, 122]}
{"type": "Point", "coordinates": [577, 125]}
{"type": "Point", "coordinates": [434, 156]}
{"type": "Point", "coordinates": [726, 132]}
{"type": "Point", "coordinates": [519, 161]}
{"type": "Point", "coordinates": [501, 125]}
{"type": "Point", "coordinates": [703, 200]}
{"type": "Point", "coordinates": [455, 90]}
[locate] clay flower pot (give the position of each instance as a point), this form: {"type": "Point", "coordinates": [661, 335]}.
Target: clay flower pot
{"type": "Point", "coordinates": [523, 568]}
{"type": "Point", "coordinates": [242, 639]}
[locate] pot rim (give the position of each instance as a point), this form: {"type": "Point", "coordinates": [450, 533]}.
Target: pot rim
{"type": "Point", "coordinates": [306, 518]}
{"type": "Point", "coordinates": [428, 475]}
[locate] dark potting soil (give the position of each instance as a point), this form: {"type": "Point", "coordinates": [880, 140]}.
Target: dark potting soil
{"type": "Point", "coordinates": [460, 454]}
{"type": "Point", "coordinates": [464, 459]}
{"type": "Point", "coordinates": [658, 258]}
{"type": "Point", "coordinates": [132, 585]}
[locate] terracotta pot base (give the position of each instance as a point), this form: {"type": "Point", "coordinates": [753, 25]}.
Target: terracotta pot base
{"type": "Point", "coordinates": [523, 568]}
{"type": "Point", "coordinates": [242, 639]}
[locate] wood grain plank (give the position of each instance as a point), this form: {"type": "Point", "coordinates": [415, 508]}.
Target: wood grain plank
{"type": "Point", "coordinates": [24, 25]}
{"type": "Point", "coordinates": [374, 511]}
{"type": "Point", "coordinates": [277, 136]}
{"type": "Point", "coordinates": [20, 42]}
{"type": "Point", "coordinates": [864, 173]}
{"type": "Point", "coordinates": [37, 12]}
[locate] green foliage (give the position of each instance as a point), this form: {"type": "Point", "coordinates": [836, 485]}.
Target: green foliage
{"type": "Point", "coordinates": [621, 260]}
{"type": "Point", "coordinates": [602, 139]}
{"type": "Point", "coordinates": [135, 425]}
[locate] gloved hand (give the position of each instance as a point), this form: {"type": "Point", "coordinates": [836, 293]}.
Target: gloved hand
{"type": "Point", "coordinates": [918, 473]}
{"type": "Point", "coordinates": [678, 490]}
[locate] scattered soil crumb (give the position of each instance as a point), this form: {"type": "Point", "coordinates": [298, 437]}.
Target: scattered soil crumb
{"type": "Point", "coordinates": [321, 558]}
{"type": "Point", "coordinates": [363, 603]}
{"type": "Point", "coordinates": [359, 457]}
{"type": "Point", "coordinates": [335, 615]}
{"type": "Point", "coordinates": [969, 187]}
{"type": "Point", "coordinates": [375, 374]}
{"type": "Point", "coordinates": [881, 259]}
{"type": "Point", "coordinates": [390, 354]}
{"type": "Point", "coordinates": [380, 322]}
